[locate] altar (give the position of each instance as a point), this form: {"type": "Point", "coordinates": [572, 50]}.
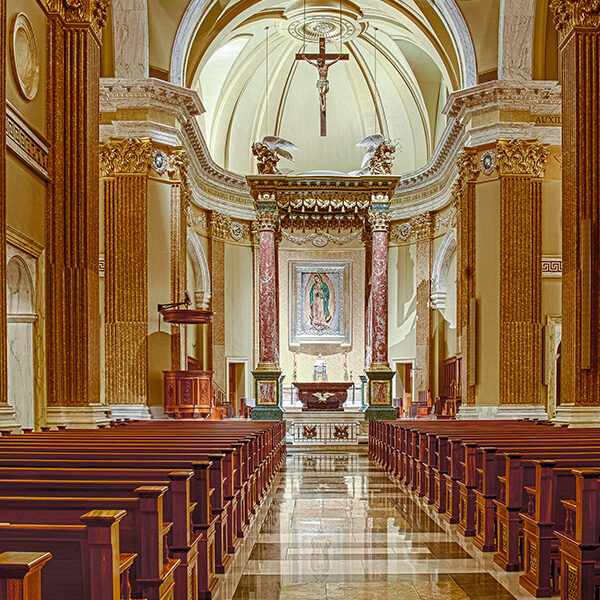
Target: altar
{"type": "Point", "coordinates": [323, 395]}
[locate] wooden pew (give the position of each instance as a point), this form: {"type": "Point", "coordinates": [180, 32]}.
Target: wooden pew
{"type": "Point", "coordinates": [86, 563]}
{"type": "Point", "coordinates": [20, 575]}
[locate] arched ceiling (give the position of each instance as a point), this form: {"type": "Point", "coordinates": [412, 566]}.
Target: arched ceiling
{"type": "Point", "coordinates": [420, 60]}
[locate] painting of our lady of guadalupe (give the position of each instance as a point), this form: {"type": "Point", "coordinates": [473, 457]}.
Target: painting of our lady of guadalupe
{"type": "Point", "coordinates": [319, 301]}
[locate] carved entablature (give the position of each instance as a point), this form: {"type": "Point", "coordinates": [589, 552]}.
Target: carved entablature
{"type": "Point", "coordinates": [569, 14]}
{"type": "Point", "coordinates": [325, 204]}
{"type": "Point", "coordinates": [123, 157]}
{"type": "Point", "coordinates": [522, 157]}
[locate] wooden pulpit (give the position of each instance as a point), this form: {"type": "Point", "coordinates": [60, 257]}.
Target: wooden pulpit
{"type": "Point", "coordinates": [188, 392]}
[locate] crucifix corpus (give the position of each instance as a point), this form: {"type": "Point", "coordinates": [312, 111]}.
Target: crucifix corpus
{"type": "Point", "coordinates": [322, 61]}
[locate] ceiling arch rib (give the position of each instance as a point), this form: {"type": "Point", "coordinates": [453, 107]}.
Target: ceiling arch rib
{"type": "Point", "coordinates": [415, 73]}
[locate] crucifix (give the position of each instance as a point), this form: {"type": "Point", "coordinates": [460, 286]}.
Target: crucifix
{"type": "Point", "coordinates": [322, 61]}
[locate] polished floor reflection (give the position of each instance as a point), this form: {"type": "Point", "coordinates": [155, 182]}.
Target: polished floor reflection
{"type": "Point", "coordinates": [337, 526]}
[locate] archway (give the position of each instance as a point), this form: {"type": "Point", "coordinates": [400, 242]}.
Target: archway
{"type": "Point", "coordinates": [20, 321]}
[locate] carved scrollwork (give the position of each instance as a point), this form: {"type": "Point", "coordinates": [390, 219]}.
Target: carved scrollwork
{"type": "Point", "coordinates": [468, 168]}
{"type": "Point", "coordinates": [421, 226]}
{"type": "Point", "coordinates": [267, 220]}
{"type": "Point", "coordinates": [379, 220]}
{"type": "Point", "coordinates": [575, 13]}
{"type": "Point", "coordinates": [220, 225]}
{"type": "Point", "coordinates": [522, 157]}
{"type": "Point", "coordinates": [130, 156]}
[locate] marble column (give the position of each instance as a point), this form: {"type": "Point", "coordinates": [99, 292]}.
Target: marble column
{"type": "Point", "coordinates": [124, 166]}
{"type": "Point", "coordinates": [521, 166]}
{"type": "Point", "coordinates": [72, 213]}
{"type": "Point", "coordinates": [578, 24]}
{"type": "Point", "coordinates": [3, 331]}
{"type": "Point", "coordinates": [422, 230]}
{"type": "Point", "coordinates": [267, 372]}
{"type": "Point", "coordinates": [464, 192]}
{"type": "Point", "coordinates": [379, 373]}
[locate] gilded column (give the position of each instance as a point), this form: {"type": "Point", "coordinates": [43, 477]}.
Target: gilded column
{"type": "Point", "coordinates": [218, 235]}
{"type": "Point", "coordinates": [3, 333]}
{"type": "Point", "coordinates": [464, 192]}
{"type": "Point", "coordinates": [180, 200]}
{"type": "Point", "coordinates": [521, 166]}
{"type": "Point", "coordinates": [578, 24]}
{"type": "Point", "coordinates": [267, 372]}
{"type": "Point", "coordinates": [125, 168]}
{"type": "Point", "coordinates": [421, 226]}
{"type": "Point", "coordinates": [379, 373]}
{"type": "Point", "coordinates": [72, 210]}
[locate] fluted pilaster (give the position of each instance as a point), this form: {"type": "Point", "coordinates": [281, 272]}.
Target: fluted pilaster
{"type": "Point", "coordinates": [521, 166]}
{"type": "Point", "coordinates": [464, 192]}
{"type": "Point", "coordinates": [578, 23]}
{"type": "Point", "coordinates": [124, 166]}
{"type": "Point", "coordinates": [72, 208]}
{"type": "Point", "coordinates": [180, 198]}
{"type": "Point", "coordinates": [422, 228]}
{"type": "Point", "coordinates": [3, 344]}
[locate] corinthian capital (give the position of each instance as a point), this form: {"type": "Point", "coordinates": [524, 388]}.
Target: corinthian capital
{"type": "Point", "coordinates": [521, 157]}
{"type": "Point", "coordinates": [569, 14]}
{"type": "Point", "coordinates": [125, 157]}
{"type": "Point", "coordinates": [267, 220]}
{"type": "Point", "coordinates": [379, 220]}
{"type": "Point", "coordinates": [468, 169]}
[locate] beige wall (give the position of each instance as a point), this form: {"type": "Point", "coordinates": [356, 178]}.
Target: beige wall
{"type": "Point", "coordinates": [25, 199]}
{"type": "Point", "coordinates": [487, 271]}
{"type": "Point", "coordinates": [159, 286]}
{"type": "Point", "coordinates": [33, 111]}
{"type": "Point", "coordinates": [238, 302]}
{"type": "Point", "coordinates": [402, 303]}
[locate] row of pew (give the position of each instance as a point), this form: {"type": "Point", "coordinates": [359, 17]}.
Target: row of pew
{"type": "Point", "coordinates": [525, 490]}
{"type": "Point", "coordinates": [152, 509]}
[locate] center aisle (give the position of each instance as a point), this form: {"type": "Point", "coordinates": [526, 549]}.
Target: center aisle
{"type": "Point", "coordinates": [339, 527]}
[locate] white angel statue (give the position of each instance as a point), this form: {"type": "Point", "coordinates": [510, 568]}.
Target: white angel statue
{"type": "Point", "coordinates": [379, 156]}
{"type": "Point", "coordinates": [269, 151]}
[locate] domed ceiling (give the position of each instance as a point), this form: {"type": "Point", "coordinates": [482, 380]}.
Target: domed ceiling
{"type": "Point", "coordinates": [403, 63]}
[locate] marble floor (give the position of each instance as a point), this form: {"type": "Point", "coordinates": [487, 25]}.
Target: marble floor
{"type": "Point", "coordinates": [335, 526]}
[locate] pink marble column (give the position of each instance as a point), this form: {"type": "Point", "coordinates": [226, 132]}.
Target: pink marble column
{"type": "Point", "coordinates": [379, 290]}
{"type": "Point", "coordinates": [268, 343]}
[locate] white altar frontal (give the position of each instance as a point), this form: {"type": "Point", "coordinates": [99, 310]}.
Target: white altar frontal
{"type": "Point", "coordinates": [325, 428]}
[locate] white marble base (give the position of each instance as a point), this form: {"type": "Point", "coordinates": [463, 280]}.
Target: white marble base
{"type": "Point", "coordinates": [157, 412]}
{"type": "Point", "coordinates": [504, 411]}
{"type": "Point", "coordinates": [577, 416]}
{"type": "Point", "coordinates": [78, 417]}
{"type": "Point", "coordinates": [129, 411]}
{"type": "Point", "coordinates": [327, 427]}
{"type": "Point", "coordinates": [8, 418]}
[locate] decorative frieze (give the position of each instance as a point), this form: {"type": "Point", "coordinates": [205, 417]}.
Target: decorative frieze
{"type": "Point", "coordinates": [421, 226]}
{"type": "Point", "coordinates": [551, 266]}
{"type": "Point", "coordinates": [25, 143]}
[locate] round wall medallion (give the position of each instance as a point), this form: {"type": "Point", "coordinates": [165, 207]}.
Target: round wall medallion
{"type": "Point", "coordinates": [25, 59]}
{"type": "Point", "coordinates": [319, 241]}
{"type": "Point", "coordinates": [236, 230]}
{"type": "Point", "coordinates": [487, 163]}
{"type": "Point", "coordinates": [160, 161]}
